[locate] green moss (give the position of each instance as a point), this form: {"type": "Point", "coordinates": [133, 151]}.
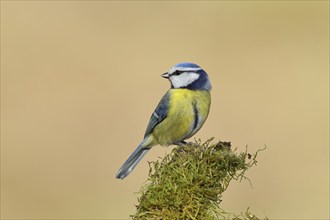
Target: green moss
{"type": "Point", "coordinates": [188, 183]}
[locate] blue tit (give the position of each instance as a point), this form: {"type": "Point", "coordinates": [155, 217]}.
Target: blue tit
{"type": "Point", "coordinates": [179, 115]}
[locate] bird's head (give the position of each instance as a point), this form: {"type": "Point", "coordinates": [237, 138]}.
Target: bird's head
{"type": "Point", "coordinates": [189, 76]}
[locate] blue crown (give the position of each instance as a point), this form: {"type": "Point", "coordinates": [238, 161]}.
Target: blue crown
{"type": "Point", "coordinates": [187, 65]}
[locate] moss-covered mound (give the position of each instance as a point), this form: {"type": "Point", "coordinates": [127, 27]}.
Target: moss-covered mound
{"type": "Point", "coordinates": [188, 183]}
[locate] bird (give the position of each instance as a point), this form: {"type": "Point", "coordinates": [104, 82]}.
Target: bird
{"type": "Point", "coordinates": [180, 113]}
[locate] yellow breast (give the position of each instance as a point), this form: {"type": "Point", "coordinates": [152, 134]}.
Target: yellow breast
{"type": "Point", "coordinates": [187, 112]}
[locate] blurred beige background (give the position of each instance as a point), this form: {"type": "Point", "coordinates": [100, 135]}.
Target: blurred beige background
{"type": "Point", "coordinates": [80, 79]}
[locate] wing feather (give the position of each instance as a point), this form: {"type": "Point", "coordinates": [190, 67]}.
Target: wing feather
{"type": "Point", "coordinates": [159, 114]}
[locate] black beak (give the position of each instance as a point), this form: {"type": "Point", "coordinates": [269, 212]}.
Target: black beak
{"type": "Point", "coordinates": [165, 75]}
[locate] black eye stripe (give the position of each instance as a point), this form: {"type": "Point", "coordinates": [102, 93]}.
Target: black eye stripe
{"type": "Point", "coordinates": [178, 72]}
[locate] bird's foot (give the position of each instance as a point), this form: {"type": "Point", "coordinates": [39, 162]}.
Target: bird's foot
{"type": "Point", "coordinates": [181, 143]}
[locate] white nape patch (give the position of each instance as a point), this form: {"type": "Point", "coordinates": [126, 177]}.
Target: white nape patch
{"type": "Point", "coordinates": [184, 79]}
{"type": "Point", "coordinates": [188, 69]}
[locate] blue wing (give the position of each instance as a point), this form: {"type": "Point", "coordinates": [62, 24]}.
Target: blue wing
{"type": "Point", "coordinates": [159, 114]}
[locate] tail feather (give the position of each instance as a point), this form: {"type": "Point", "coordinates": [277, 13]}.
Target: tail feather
{"type": "Point", "coordinates": [131, 162]}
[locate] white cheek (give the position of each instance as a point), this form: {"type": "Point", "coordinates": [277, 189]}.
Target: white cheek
{"type": "Point", "coordinates": [184, 79]}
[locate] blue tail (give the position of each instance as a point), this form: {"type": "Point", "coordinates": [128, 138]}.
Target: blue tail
{"type": "Point", "coordinates": [131, 162]}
